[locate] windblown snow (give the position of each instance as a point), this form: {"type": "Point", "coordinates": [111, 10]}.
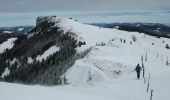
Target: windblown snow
{"type": "Point", "coordinates": [7, 44]}
{"type": "Point", "coordinates": [107, 72]}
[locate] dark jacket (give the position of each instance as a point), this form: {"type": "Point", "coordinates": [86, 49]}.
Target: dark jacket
{"type": "Point", "coordinates": [138, 68]}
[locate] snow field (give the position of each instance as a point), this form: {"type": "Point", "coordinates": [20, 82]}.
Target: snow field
{"type": "Point", "coordinates": [107, 72]}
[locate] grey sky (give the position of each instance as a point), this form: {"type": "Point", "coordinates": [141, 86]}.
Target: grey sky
{"type": "Point", "coordinates": [81, 5]}
{"type": "Point", "coordinates": [24, 12]}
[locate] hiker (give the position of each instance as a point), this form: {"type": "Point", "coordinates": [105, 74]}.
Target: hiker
{"type": "Point", "coordinates": [138, 68]}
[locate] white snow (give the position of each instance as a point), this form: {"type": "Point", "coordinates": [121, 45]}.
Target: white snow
{"type": "Point", "coordinates": [7, 44]}
{"type": "Point", "coordinates": [107, 72]}
{"type": "Point", "coordinates": [25, 92]}
{"type": "Point", "coordinates": [13, 61]}
{"type": "Point", "coordinates": [158, 28]}
{"type": "Point", "coordinates": [7, 32]}
{"type": "Point", "coordinates": [117, 27]}
{"type": "Point", "coordinates": [30, 60]}
{"type": "Point", "coordinates": [47, 53]}
{"type": "Point", "coordinates": [112, 66]}
{"type": "Point", "coordinates": [20, 29]}
{"type": "Point", "coordinates": [138, 25]}
{"type": "Point", "coordinates": [6, 72]}
{"type": "Point", "coordinates": [31, 35]}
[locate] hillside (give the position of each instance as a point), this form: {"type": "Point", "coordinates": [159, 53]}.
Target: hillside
{"type": "Point", "coordinates": [153, 29]}
{"type": "Point", "coordinates": [16, 30]}
{"type": "Point", "coordinates": [102, 63]}
{"type": "Point", "coordinates": [41, 56]}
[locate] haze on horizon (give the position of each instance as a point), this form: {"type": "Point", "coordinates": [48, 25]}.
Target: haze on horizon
{"type": "Point", "coordinates": [24, 12]}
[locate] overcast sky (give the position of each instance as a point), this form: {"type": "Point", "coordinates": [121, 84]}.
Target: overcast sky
{"type": "Point", "coordinates": [81, 5]}
{"type": "Point", "coordinates": [24, 12]}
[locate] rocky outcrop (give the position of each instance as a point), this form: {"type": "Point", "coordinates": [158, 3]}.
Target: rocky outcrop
{"type": "Point", "coordinates": [42, 19]}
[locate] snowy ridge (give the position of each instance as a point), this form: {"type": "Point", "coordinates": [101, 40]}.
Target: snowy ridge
{"type": "Point", "coordinates": [107, 72]}
{"type": "Point", "coordinates": [114, 53]}
{"type": "Point", "coordinates": [112, 65]}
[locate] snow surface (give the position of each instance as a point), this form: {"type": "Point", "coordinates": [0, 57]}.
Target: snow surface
{"type": "Point", "coordinates": [8, 32]}
{"type": "Point", "coordinates": [20, 29]}
{"type": "Point", "coordinates": [13, 61]}
{"type": "Point", "coordinates": [30, 60]}
{"type": "Point", "coordinates": [47, 53]}
{"type": "Point", "coordinates": [7, 44]}
{"type": "Point", "coordinates": [6, 72]}
{"type": "Point", "coordinates": [117, 27]}
{"type": "Point", "coordinates": [138, 25]}
{"type": "Point", "coordinates": [25, 92]}
{"type": "Point", "coordinates": [112, 66]}
{"type": "Point", "coordinates": [107, 72]}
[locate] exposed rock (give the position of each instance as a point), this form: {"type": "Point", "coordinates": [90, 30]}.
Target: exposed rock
{"type": "Point", "coordinates": [42, 19]}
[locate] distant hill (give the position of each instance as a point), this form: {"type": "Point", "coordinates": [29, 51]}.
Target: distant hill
{"type": "Point", "coordinates": [153, 29]}
{"type": "Point", "coordinates": [16, 30]}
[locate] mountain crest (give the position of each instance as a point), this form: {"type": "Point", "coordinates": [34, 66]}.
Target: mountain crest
{"type": "Point", "coordinates": [42, 19]}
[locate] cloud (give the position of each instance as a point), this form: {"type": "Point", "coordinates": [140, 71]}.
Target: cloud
{"type": "Point", "coordinates": [22, 12]}
{"type": "Point", "coordinates": [80, 5]}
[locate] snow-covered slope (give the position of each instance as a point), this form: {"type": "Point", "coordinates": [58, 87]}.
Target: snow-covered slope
{"type": "Point", "coordinates": [7, 44]}
{"type": "Point", "coordinates": [47, 53]}
{"type": "Point", "coordinates": [107, 72]}
{"type": "Point", "coordinates": [24, 92]}
{"type": "Point", "coordinates": [115, 62]}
